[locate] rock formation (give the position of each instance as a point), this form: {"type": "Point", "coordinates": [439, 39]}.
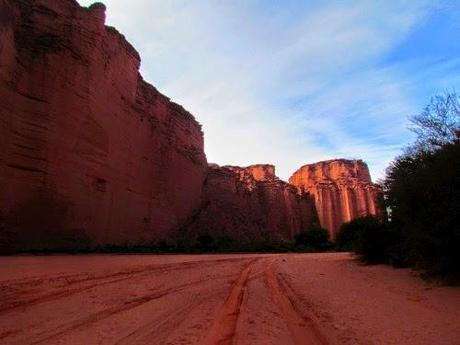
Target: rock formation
{"type": "Point", "coordinates": [80, 127]}
{"type": "Point", "coordinates": [89, 148]}
{"type": "Point", "coordinates": [342, 190]}
{"type": "Point", "coordinates": [250, 204]}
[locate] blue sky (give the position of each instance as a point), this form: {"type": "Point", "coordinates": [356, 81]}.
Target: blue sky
{"type": "Point", "coordinates": [294, 82]}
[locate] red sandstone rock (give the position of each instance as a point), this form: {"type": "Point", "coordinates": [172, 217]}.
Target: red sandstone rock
{"type": "Point", "coordinates": [251, 204]}
{"type": "Point", "coordinates": [83, 137]}
{"type": "Point", "coordinates": [79, 124]}
{"type": "Point", "coordinates": [342, 190]}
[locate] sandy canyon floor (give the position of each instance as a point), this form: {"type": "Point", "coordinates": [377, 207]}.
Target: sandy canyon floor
{"type": "Point", "coordinates": [220, 299]}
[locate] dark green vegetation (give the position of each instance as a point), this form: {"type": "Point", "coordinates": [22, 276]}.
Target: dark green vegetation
{"type": "Point", "coordinates": [422, 195]}
{"type": "Point", "coordinates": [314, 240]}
{"type": "Point", "coordinates": [38, 226]}
{"type": "Point", "coordinates": [41, 225]}
{"type": "Point", "coordinates": [98, 5]}
{"type": "Point", "coordinates": [202, 244]}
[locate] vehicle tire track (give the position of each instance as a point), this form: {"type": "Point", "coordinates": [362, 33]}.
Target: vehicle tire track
{"type": "Point", "coordinates": [223, 329]}
{"type": "Point", "coordinates": [301, 329]}
{"type": "Point", "coordinates": [82, 277]}
{"type": "Point", "coordinates": [100, 281]}
{"type": "Point", "coordinates": [160, 329]}
{"type": "Point", "coordinates": [156, 330]}
{"type": "Point", "coordinates": [106, 313]}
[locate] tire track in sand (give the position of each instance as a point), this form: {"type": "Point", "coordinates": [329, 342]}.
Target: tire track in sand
{"type": "Point", "coordinates": [301, 329]}
{"type": "Point", "coordinates": [98, 281]}
{"type": "Point", "coordinates": [158, 330]}
{"type": "Point", "coordinates": [106, 313]}
{"type": "Point", "coordinates": [223, 329]}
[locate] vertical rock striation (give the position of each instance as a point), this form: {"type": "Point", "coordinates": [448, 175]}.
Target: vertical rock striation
{"type": "Point", "coordinates": [251, 203]}
{"type": "Point", "coordinates": [342, 190]}
{"type": "Point", "coordinates": [79, 125]}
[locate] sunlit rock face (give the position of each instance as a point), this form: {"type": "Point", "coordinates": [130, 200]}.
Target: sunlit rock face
{"type": "Point", "coordinates": [86, 141]}
{"type": "Point", "coordinates": [342, 190]}
{"type": "Point", "coordinates": [251, 203]}
{"type": "Point", "coordinates": [79, 124]}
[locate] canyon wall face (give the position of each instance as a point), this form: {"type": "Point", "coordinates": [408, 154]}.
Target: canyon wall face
{"type": "Point", "coordinates": [80, 129]}
{"type": "Point", "coordinates": [89, 148]}
{"type": "Point", "coordinates": [250, 204]}
{"type": "Point", "coordinates": [342, 190]}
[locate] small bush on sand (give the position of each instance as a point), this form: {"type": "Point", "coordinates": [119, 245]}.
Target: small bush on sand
{"type": "Point", "coordinates": [206, 243]}
{"type": "Point", "coordinates": [315, 238]}
{"type": "Point", "coordinates": [369, 237]}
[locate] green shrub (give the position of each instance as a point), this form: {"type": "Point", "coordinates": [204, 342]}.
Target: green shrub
{"type": "Point", "coordinates": [315, 238]}
{"type": "Point", "coordinates": [206, 243]}
{"type": "Point", "coordinates": [373, 243]}
{"type": "Point", "coordinates": [423, 192]}
{"type": "Point", "coordinates": [374, 240]}
{"type": "Point", "coordinates": [98, 5]}
{"type": "Point", "coordinates": [350, 233]}
{"type": "Point", "coordinates": [6, 237]}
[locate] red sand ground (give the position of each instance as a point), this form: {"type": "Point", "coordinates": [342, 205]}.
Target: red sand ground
{"type": "Point", "coordinates": [220, 299]}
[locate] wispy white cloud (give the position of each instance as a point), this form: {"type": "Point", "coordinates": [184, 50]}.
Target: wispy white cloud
{"type": "Point", "coordinates": [287, 83]}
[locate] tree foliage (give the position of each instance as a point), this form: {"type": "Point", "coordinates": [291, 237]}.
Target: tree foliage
{"type": "Point", "coordinates": [422, 193]}
{"type": "Point", "coordinates": [438, 124]}
{"type": "Point", "coordinates": [316, 238]}
{"type": "Point", "coordinates": [350, 233]}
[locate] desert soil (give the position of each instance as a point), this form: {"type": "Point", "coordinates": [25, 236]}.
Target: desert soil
{"type": "Point", "coordinates": [220, 299]}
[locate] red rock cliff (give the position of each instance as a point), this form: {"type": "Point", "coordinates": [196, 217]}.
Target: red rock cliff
{"type": "Point", "coordinates": [342, 190]}
{"type": "Point", "coordinates": [251, 204]}
{"type": "Point", "coordinates": [79, 124]}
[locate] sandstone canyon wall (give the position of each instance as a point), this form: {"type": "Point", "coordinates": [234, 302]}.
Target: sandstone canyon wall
{"type": "Point", "coordinates": [88, 147]}
{"type": "Point", "coordinates": [251, 204]}
{"type": "Point", "coordinates": [342, 190]}
{"type": "Point", "coordinates": [79, 125]}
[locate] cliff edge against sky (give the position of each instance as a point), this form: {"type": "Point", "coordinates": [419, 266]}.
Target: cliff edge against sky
{"type": "Point", "coordinates": [88, 143]}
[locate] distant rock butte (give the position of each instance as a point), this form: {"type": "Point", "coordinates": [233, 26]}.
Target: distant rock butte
{"type": "Point", "coordinates": [79, 125]}
{"type": "Point", "coordinates": [342, 190]}
{"type": "Point", "coordinates": [251, 203]}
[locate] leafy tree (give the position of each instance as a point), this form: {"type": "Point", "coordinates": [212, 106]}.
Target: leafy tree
{"type": "Point", "coordinates": [206, 243]}
{"type": "Point", "coordinates": [423, 192]}
{"type": "Point", "coordinates": [350, 232]}
{"type": "Point", "coordinates": [371, 238]}
{"type": "Point", "coordinates": [97, 4]}
{"type": "Point", "coordinates": [438, 124]}
{"type": "Point", "coordinates": [316, 238]}
{"type": "Point", "coordinates": [6, 237]}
